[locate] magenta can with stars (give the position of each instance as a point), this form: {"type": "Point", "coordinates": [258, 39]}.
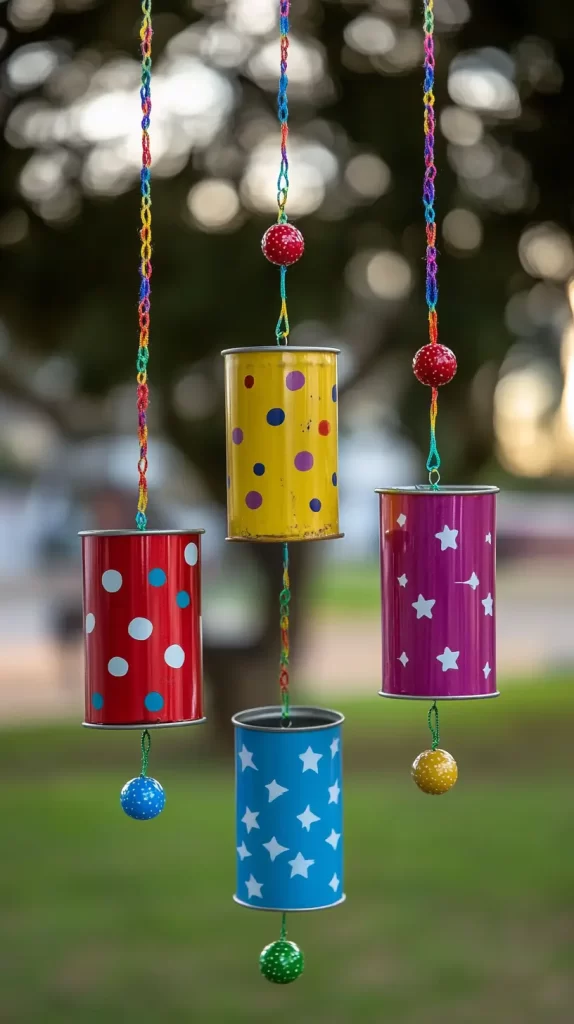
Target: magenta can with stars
{"type": "Point", "coordinates": [282, 443]}
{"type": "Point", "coordinates": [438, 560]}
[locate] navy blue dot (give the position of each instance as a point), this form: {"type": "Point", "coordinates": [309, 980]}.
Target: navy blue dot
{"type": "Point", "coordinates": [334, 479]}
{"type": "Point", "coordinates": [314, 504]}
{"type": "Point", "coordinates": [275, 417]}
{"type": "Point", "coordinates": [334, 393]}
{"type": "Point", "coordinates": [157, 577]}
{"type": "Point", "coordinates": [97, 701]}
{"type": "Point", "coordinates": [259, 469]}
{"type": "Point", "coordinates": [182, 599]}
{"type": "Point", "coordinates": [154, 701]}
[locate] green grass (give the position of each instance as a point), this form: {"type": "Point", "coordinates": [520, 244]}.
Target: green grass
{"type": "Point", "coordinates": [459, 909]}
{"type": "Point", "coordinates": [346, 589]}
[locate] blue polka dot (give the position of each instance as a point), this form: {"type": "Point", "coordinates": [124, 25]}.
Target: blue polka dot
{"type": "Point", "coordinates": [182, 599]}
{"type": "Point", "coordinates": [275, 417]}
{"type": "Point", "coordinates": [314, 504]}
{"type": "Point", "coordinates": [259, 469]}
{"type": "Point", "coordinates": [157, 577]}
{"type": "Point", "coordinates": [97, 701]}
{"type": "Point", "coordinates": [334, 392]}
{"type": "Point", "coordinates": [154, 701]}
{"type": "Point", "coordinates": [334, 479]}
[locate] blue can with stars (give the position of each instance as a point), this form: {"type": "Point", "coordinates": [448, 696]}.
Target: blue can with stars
{"type": "Point", "coordinates": [289, 808]}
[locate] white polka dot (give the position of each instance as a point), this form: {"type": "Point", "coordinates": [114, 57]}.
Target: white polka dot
{"type": "Point", "coordinates": [90, 622]}
{"type": "Point", "coordinates": [174, 656]}
{"type": "Point", "coordinates": [140, 629]}
{"type": "Point", "coordinates": [117, 666]}
{"type": "Point", "coordinates": [191, 553]}
{"type": "Point", "coordinates": [112, 580]}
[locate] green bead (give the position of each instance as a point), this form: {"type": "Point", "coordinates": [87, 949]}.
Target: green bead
{"type": "Point", "coordinates": [281, 962]}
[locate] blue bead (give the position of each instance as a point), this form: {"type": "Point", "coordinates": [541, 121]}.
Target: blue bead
{"type": "Point", "coordinates": [157, 577]}
{"type": "Point", "coordinates": [142, 798]}
{"type": "Point", "coordinates": [182, 599]}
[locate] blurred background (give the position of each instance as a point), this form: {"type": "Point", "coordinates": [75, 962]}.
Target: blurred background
{"type": "Point", "coordinates": [460, 909]}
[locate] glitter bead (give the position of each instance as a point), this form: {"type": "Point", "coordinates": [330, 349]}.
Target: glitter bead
{"type": "Point", "coordinates": [283, 244]}
{"type": "Point", "coordinates": [434, 365]}
{"type": "Point", "coordinates": [281, 962]}
{"type": "Point", "coordinates": [435, 771]}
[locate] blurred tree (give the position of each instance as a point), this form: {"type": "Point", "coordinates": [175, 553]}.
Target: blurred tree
{"type": "Point", "coordinates": [69, 210]}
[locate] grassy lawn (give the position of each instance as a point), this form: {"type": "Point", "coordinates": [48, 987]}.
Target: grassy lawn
{"type": "Point", "coordinates": [460, 909]}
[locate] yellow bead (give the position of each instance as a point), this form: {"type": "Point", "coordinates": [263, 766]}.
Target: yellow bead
{"type": "Point", "coordinates": [435, 771]}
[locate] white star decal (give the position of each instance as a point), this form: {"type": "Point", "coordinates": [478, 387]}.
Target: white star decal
{"type": "Point", "coordinates": [403, 660]}
{"type": "Point", "coordinates": [472, 582]}
{"type": "Point", "coordinates": [274, 848]}
{"type": "Point", "coordinates": [334, 791]}
{"type": "Point", "coordinates": [401, 520]}
{"type": "Point", "coordinates": [448, 659]}
{"type": "Point", "coordinates": [246, 758]}
{"type": "Point", "coordinates": [487, 603]}
{"type": "Point", "coordinates": [275, 790]}
{"type": "Point", "coordinates": [487, 670]}
{"type": "Point", "coordinates": [423, 607]}
{"type": "Point", "coordinates": [402, 580]}
{"type": "Point", "coordinates": [334, 748]}
{"type": "Point", "coordinates": [310, 760]}
{"type": "Point", "coordinates": [300, 866]}
{"type": "Point", "coordinates": [254, 888]}
{"type": "Point", "coordinates": [307, 818]}
{"type": "Point", "coordinates": [249, 819]}
{"type": "Point", "coordinates": [333, 839]}
{"type": "Point", "coordinates": [334, 883]}
{"type": "Point", "coordinates": [488, 538]}
{"type": "Point", "coordinates": [243, 851]}
{"type": "Point", "coordinates": [447, 538]}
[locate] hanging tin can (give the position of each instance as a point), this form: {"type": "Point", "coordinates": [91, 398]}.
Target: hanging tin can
{"type": "Point", "coordinates": [289, 808]}
{"type": "Point", "coordinates": [142, 613]}
{"type": "Point", "coordinates": [282, 443]}
{"type": "Point", "coordinates": [438, 592]}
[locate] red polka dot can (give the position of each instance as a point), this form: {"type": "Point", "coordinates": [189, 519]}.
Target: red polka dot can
{"type": "Point", "coordinates": [282, 443]}
{"type": "Point", "coordinates": [142, 625]}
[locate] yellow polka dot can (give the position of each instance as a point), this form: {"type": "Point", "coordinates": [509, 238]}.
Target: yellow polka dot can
{"type": "Point", "coordinates": [281, 407]}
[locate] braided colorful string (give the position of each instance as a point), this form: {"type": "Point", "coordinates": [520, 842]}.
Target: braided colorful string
{"type": "Point", "coordinates": [282, 328]}
{"type": "Point", "coordinates": [284, 599]}
{"type": "Point", "coordinates": [433, 461]}
{"type": "Point", "coordinates": [145, 262]}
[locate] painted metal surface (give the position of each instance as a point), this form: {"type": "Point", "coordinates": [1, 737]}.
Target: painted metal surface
{"type": "Point", "coordinates": [282, 444]}
{"type": "Point", "coordinates": [142, 621]}
{"type": "Point", "coordinates": [438, 592]}
{"type": "Point", "coordinates": [289, 800]}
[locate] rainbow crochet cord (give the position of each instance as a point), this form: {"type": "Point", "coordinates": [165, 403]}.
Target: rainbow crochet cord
{"type": "Point", "coordinates": [145, 262]}
{"type": "Point", "coordinates": [433, 461]}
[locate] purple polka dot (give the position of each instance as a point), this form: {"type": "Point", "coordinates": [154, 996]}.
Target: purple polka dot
{"type": "Point", "coordinates": [253, 499]}
{"type": "Point", "coordinates": [314, 504]}
{"type": "Point", "coordinates": [237, 435]}
{"type": "Point", "coordinates": [304, 461]}
{"type": "Point", "coordinates": [295, 380]}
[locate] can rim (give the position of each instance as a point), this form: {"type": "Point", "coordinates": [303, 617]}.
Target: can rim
{"type": "Point", "coordinates": [138, 533]}
{"type": "Point", "coordinates": [146, 725]}
{"type": "Point", "coordinates": [289, 910]}
{"type": "Point", "coordinates": [272, 717]}
{"type": "Point", "coordinates": [280, 348]}
{"type": "Point", "coordinates": [462, 489]}
{"type": "Point", "coordinates": [431, 696]}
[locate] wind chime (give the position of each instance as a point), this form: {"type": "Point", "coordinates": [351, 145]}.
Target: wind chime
{"type": "Point", "coordinates": [437, 543]}
{"type": "Point", "coordinates": [142, 588]}
{"type": "Point", "coordinates": [281, 434]}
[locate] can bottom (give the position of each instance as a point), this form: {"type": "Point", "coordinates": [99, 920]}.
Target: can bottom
{"type": "Point", "coordinates": [146, 725]}
{"type": "Point", "coordinates": [287, 539]}
{"type": "Point", "coordinates": [430, 696]}
{"type": "Point", "coordinates": [289, 910]}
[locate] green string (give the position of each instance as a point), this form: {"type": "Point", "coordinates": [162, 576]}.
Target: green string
{"type": "Point", "coordinates": [283, 935]}
{"type": "Point", "coordinates": [146, 747]}
{"type": "Point", "coordinates": [432, 719]}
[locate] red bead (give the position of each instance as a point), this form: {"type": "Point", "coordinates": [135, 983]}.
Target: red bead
{"type": "Point", "coordinates": [283, 244]}
{"type": "Point", "coordinates": [434, 365]}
